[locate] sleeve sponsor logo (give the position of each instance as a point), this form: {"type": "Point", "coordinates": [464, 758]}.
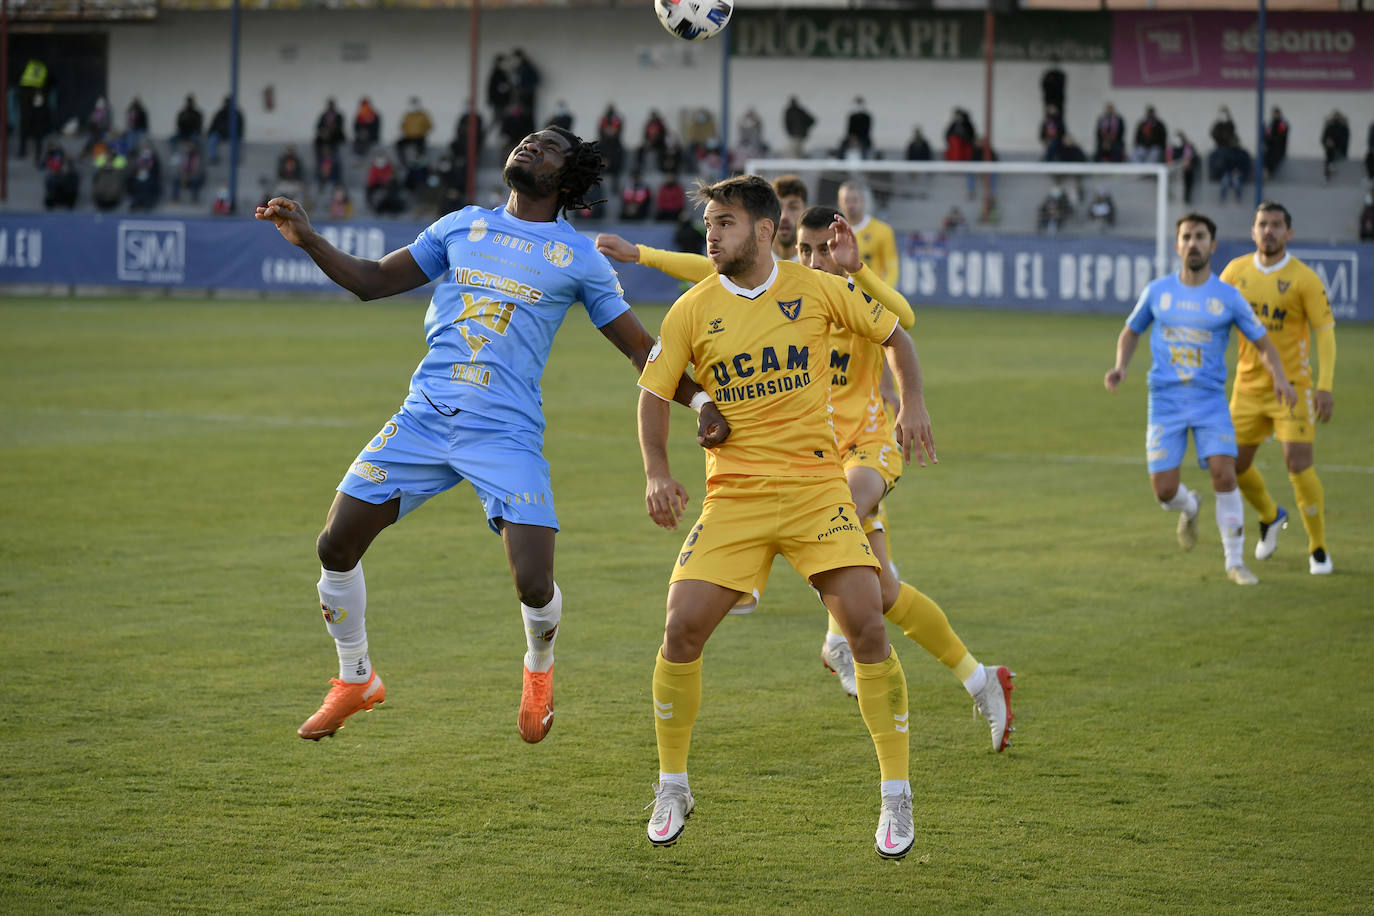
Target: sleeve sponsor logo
{"type": "Point", "coordinates": [658, 348]}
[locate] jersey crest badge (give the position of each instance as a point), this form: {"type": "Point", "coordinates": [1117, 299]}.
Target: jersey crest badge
{"type": "Point", "coordinates": [1283, 286]}
{"type": "Point", "coordinates": [558, 254]}
{"type": "Point", "coordinates": [1165, 301]}
{"type": "Point", "coordinates": [1214, 306]}
{"type": "Point", "coordinates": [478, 230]}
{"type": "Point", "coordinates": [791, 308]}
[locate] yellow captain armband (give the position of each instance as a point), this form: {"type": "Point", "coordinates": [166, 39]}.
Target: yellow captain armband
{"type": "Point", "coordinates": [1326, 357]}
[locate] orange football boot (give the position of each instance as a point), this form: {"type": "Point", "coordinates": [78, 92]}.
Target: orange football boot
{"type": "Point", "coordinates": [342, 701]}
{"type": "Point", "coordinates": [536, 705]}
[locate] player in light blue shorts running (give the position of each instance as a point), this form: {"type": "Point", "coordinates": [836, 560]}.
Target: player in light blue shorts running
{"type": "Point", "coordinates": [1192, 313]}
{"type": "Point", "coordinates": [507, 277]}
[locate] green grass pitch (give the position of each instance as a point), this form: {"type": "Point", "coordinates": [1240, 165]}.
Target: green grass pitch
{"type": "Point", "coordinates": [1183, 745]}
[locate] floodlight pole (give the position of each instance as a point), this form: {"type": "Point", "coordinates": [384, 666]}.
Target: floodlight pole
{"type": "Point", "coordinates": [727, 37]}
{"type": "Point", "coordinates": [234, 125]}
{"type": "Point", "coordinates": [470, 116]}
{"type": "Point", "coordinates": [1259, 107]}
{"type": "Point", "coordinates": [4, 100]}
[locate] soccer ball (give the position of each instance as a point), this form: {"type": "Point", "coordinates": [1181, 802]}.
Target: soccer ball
{"type": "Point", "coordinates": [694, 20]}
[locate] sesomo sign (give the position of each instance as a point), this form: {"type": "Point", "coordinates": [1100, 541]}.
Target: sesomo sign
{"type": "Point", "coordinates": [914, 35]}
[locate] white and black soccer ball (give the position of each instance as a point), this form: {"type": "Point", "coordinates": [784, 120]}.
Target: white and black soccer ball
{"type": "Point", "coordinates": [694, 20]}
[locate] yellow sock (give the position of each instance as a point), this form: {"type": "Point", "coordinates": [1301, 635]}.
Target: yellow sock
{"type": "Point", "coordinates": [1312, 506]}
{"type": "Point", "coordinates": [1257, 494]}
{"type": "Point", "coordinates": [677, 698]}
{"type": "Point", "coordinates": [834, 625]}
{"type": "Point", "coordinates": [882, 701]}
{"type": "Point", "coordinates": [922, 620]}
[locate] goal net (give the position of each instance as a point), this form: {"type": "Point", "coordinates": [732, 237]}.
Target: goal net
{"type": "Point", "coordinates": [1083, 236]}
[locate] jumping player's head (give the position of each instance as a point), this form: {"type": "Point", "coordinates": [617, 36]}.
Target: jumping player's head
{"type": "Point", "coordinates": [1195, 240]}
{"type": "Point", "coordinates": [792, 195]}
{"type": "Point", "coordinates": [741, 216]}
{"type": "Point", "coordinates": [853, 200]}
{"type": "Point", "coordinates": [1272, 229]}
{"type": "Point", "coordinates": [813, 240]}
{"type": "Point", "coordinates": [555, 162]}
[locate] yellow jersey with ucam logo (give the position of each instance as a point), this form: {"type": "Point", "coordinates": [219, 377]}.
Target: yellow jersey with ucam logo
{"type": "Point", "coordinates": [1290, 301]}
{"type": "Point", "coordinates": [856, 369]}
{"type": "Point", "coordinates": [763, 355]}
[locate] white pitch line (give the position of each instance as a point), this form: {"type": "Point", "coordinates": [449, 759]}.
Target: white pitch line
{"type": "Point", "coordinates": [241, 419]}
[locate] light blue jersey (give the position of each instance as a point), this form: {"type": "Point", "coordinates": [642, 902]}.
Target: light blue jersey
{"type": "Point", "coordinates": [1191, 330]}
{"type": "Point", "coordinates": [505, 286]}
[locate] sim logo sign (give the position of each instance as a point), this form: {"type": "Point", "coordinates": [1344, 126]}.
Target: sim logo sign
{"type": "Point", "coordinates": [152, 251]}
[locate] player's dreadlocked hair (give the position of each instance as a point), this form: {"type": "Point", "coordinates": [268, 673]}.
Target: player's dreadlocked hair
{"type": "Point", "coordinates": [582, 168]}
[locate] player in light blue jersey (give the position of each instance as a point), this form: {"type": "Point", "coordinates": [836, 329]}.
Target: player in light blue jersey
{"type": "Point", "coordinates": [1189, 315]}
{"type": "Point", "coordinates": [506, 279]}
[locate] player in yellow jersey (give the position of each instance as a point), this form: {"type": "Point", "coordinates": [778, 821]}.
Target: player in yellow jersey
{"type": "Point", "coordinates": [877, 243]}
{"type": "Point", "coordinates": [864, 434]}
{"type": "Point", "coordinates": [758, 335]}
{"type": "Point", "coordinates": [1290, 301]}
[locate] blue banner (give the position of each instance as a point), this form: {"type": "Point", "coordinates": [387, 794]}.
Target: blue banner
{"type": "Point", "coordinates": [1070, 275]}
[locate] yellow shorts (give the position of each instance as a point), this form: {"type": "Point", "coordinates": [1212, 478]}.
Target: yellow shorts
{"type": "Point", "coordinates": [1258, 415]}
{"type": "Point", "coordinates": [883, 456]}
{"type": "Point", "coordinates": [746, 521]}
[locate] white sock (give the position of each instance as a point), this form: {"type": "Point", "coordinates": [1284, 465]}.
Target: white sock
{"type": "Point", "coordinates": [541, 629]}
{"type": "Point", "coordinates": [343, 601]}
{"type": "Point", "coordinates": [896, 787]}
{"type": "Point", "coordinates": [1185, 500]}
{"type": "Point", "coordinates": [672, 779]}
{"type": "Point", "coordinates": [977, 680]}
{"type": "Point", "coordinates": [834, 639]}
{"type": "Point", "coordinates": [1231, 524]}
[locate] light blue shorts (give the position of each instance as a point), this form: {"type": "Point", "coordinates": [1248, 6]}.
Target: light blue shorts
{"type": "Point", "coordinates": [420, 453]}
{"type": "Point", "coordinates": [1166, 437]}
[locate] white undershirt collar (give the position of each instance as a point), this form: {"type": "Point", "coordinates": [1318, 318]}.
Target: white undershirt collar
{"type": "Point", "coordinates": [754, 293]}
{"type": "Point", "coordinates": [1283, 262]}
{"type": "Point", "coordinates": [860, 226]}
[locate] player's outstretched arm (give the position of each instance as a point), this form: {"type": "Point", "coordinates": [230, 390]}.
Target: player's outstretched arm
{"type": "Point", "coordinates": [1323, 401]}
{"type": "Point", "coordinates": [913, 421]}
{"type": "Point", "coordinates": [631, 338]}
{"type": "Point", "coordinates": [844, 248]}
{"type": "Point", "coordinates": [664, 497]}
{"type": "Point", "coordinates": [1125, 348]}
{"type": "Point", "coordinates": [1269, 355]}
{"type": "Point", "coordinates": [363, 277]}
{"type": "Point", "coordinates": [617, 248]}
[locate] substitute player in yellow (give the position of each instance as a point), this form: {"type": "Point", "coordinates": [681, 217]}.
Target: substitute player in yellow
{"type": "Point", "coordinates": [758, 335]}
{"type": "Point", "coordinates": [877, 242]}
{"type": "Point", "coordinates": [867, 445]}
{"type": "Point", "coordinates": [1289, 300]}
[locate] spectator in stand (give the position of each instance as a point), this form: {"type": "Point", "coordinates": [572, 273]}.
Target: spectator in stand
{"type": "Point", "coordinates": [145, 179]}
{"type": "Point", "coordinates": [1275, 142]}
{"type": "Point", "coordinates": [1367, 218]}
{"type": "Point", "coordinates": [39, 127]}
{"type": "Point", "coordinates": [188, 170]}
{"type": "Point", "coordinates": [1335, 142]}
{"type": "Point", "coordinates": [1369, 153]}
{"type": "Point", "coordinates": [1070, 151]}
{"type": "Point", "coordinates": [701, 136]}
{"type": "Point", "coordinates": [329, 170]}
{"type": "Point", "coordinates": [289, 164]}
{"type": "Point", "coordinates": [367, 128]}
{"type": "Point", "coordinates": [1052, 85]}
{"type": "Point", "coordinates": [608, 135]}
{"type": "Point", "coordinates": [107, 184]}
{"type": "Point", "coordinates": [954, 222]}
{"type": "Point", "coordinates": [562, 116]}
{"type": "Point", "coordinates": [655, 135]}
{"type": "Point", "coordinates": [383, 187]}
{"type": "Point", "coordinates": [749, 137]}
{"type": "Point", "coordinates": [219, 130]}
{"type": "Point", "coordinates": [1102, 208]}
{"type": "Point", "coordinates": [1223, 131]}
{"type": "Point", "coordinates": [517, 123]}
{"type": "Point", "coordinates": [1052, 132]}
{"type": "Point", "coordinates": [500, 87]}
{"type": "Point", "coordinates": [858, 129]}
{"type": "Point", "coordinates": [340, 207]}
{"type": "Point", "coordinates": [797, 123]}
{"type": "Point", "coordinates": [1190, 164]}
{"type": "Point", "coordinates": [97, 125]}
{"type": "Point", "coordinates": [458, 147]}
{"type": "Point", "coordinates": [1110, 136]}
{"type": "Point", "coordinates": [1054, 211]}
{"type": "Point", "coordinates": [33, 83]}
{"type": "Point", "coordinates": [452, 182]}
{"type": "Point", "coordinates": [416, 175]}
{"type": "Point", "coordinates": [223, 204]}
{"type": "Point", "coordinates": [1228, 163]}
{"type": "Point", "coordinates": [672, 160]}
{"type": "Point", "coordinates": [329, 132]}
{"type": "Point", "coordinates": [61, 185]}
{"type": "Point", "coordinates": [1151, 138]}
{"type": "Point", "coordinates": [135, 123]}
{"type": "Point", "coordinates": [526, 77]}
{"type": "Point", "coordinates": [635, 199]}
{"type": "Point", "coordinates": [918, 148]}
{"type": "Point", "coordinates": [415, 128]}
{"type": "Point", "coordinates": [959, 137]}
{"type": "Point", "coordinates": [670, 200]}
{"type": "Point", "coordinates": [190, 123]}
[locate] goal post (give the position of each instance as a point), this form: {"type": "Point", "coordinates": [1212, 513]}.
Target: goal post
{"type": "Point", "coordinates": [920, 197]}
